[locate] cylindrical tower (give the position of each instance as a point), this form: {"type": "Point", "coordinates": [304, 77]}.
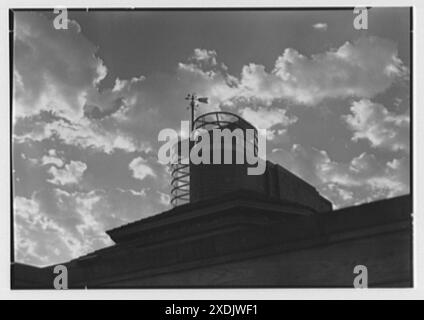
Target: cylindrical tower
{"type": "Point", "coordinates": [193, 182]}
{"type": "Point", "coordinates": [212, 180]}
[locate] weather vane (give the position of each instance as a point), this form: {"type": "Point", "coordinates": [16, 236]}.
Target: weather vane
{"type": "Point", "coordinates": [193, 104]}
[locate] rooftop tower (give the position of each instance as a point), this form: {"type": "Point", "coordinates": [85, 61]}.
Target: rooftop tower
{"type": "Point", "coordinates": [192, 183]}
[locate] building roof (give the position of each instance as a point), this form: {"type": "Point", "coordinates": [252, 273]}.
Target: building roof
{"type": "Point", "coordinates": [235, 226]}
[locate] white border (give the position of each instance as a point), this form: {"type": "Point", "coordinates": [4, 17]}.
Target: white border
{"type": "Point", "coordinates": [186, 294]}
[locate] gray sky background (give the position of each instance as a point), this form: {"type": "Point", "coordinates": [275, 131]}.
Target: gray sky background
{"type": "Point", "coordinates": [89, 103]}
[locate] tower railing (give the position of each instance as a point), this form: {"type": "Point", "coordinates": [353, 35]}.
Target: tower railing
{"type": "Point", "coordinates": [226, 120]}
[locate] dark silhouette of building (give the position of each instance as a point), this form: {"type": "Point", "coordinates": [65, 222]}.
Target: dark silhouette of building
{"type": "Point", "coordinates": [270, 230]}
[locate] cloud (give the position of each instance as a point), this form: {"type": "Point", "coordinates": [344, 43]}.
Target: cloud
{"type": "Point", "coordinates": [165, 199]}
{"type": "Point", "coordinates": [207, 57]}
{"type": "Point", "coordinates": [52, 158]}
{"type": "Point", "coordinates": [141, 193]}
{"type": "Point", "coordinates": [366, 170]}
{"type": "Point", "coordinates": [105, 197]}
{"type": "Point", "coordinates": [383, 129]}
{"type": "Point", "coordinates": [127, 117]}
{"type": "Point", "coordinates": [320, 26]}
{"type": "Point", "coordinates": [202, 73]}
{"type": "Point", "coordinates": [43, 238]}
{"type": "Point", "coordinates": [70, 174]}
{"type": "Point", "coordinates": [140, 169]}
{"type": "Point", "coordinates": [54, 225]}
{"type": "Point", "coordinates": [363, 68]}
{"type": "Point", "coordinates": [52, 68]}
{"type": "Point", "coordinates": [56, 83]}
{"type": "Point", "coordinates": [110, 101]}
{"type": "Point", "coordinates": [267, 118]}
{"type": "Point", "coordinates": [25, 247]}
{"type": "Point", "coordinates": [83, 133]}
{"type": "Point", "coordinates": [96, 112]}
{"type": "Point", "coordinates": [363, 179]}
{"type": "Point", "coordinates": [358, 69]}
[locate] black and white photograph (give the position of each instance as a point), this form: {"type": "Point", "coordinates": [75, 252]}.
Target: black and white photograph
{"type": "Point", "coordinates": [200, 148]}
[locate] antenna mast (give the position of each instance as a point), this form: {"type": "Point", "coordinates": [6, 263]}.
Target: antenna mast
{"type": "Point", "coordinates": [193, 104]}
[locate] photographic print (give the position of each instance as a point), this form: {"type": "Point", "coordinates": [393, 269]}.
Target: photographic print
{"type": "Point", "coordinates": [211, 148]}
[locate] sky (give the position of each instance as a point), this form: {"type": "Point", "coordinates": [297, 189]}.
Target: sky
{"type": "Point", "coordinates": [90, 100]}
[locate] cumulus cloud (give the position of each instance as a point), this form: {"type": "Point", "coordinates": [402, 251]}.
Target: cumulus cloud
{"type": "Point", "coordinates": [70, 174]}
{"type": "Point", "coordinates": [204, 75]}
{"type": "Point", "coordinates": [52, 68]}
{"type": "Point", "coordinates": [363, 179]}
{"type": "Point", "coordinates": [267, 118]}
{"type": "Point", "coordinates": [140, 169]}
{"type": "Point", "coordinates": [44, 238]}
{"type": "Point", "coordinates": [96, 112]}
{"type": "Point", "coordinates": [54, 225]}
{"type": "Point", "coordinates": [365, 171]}
{"type": "Point", "coordinates": [382, 128]}
{"type": "Point", "coordinates": [27, 210]}
{"type": "Point", "coordinates": [165, 198]}
{"type": "Point", "coordinates": [52, 158]}
{"type": "Point", "coordinates": [84, 133]}
{"type": "Point", "coordinates": [320, 26]}
{"type": "Point", "coordinates": [363, 68]}
{"type": "Point", "coordinates": [141, 193]}
{"type": "Point", "coordinates": [111, 101]}
{"type": "Point", "coordinates": [56, 79]}
{"type": "Point", "coordinates": [205, 56]}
